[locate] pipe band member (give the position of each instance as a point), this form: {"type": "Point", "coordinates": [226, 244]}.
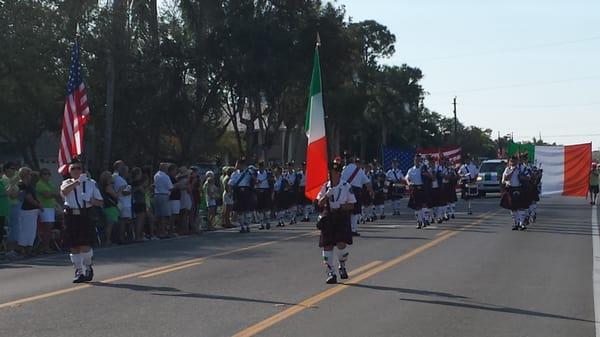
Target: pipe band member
{"type": "Point", "coordinates": [80, 193]}
{"type": "Point", "coordinates": [336, 201]}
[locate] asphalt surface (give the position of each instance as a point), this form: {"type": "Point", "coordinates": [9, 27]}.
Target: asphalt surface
{"type": "Point", "coordinates": [471, 276]}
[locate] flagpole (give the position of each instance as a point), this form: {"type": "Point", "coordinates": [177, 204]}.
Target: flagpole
{"type": "Point", "coordinates": [318, 50]}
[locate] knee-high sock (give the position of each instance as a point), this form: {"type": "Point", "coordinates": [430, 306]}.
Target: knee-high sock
{"type": "Point", "coordinates": [87, 258]}
{"type": "Point", "coordinates": [354, 221]}
{"type": "Point", "coordinates": [422, 215]}
{"type": "Point", "coordinates": [280, 216]}
{"type": "Point", "coordinates": [343, 256]}
{"type": "Point", "coordinates": [305, 210]}
{"type": "Point", "coordinates": [425, 213]}
{"type": "Point", "coordinates": [77, 261]}
{"type": "Point", "coordinates": [381, 209]}
{"type": "Point", "coordinates": [328, 259]}
{"type": "Point", "coordinates": [418, 215]}
{"type": "Point", "coordinates": [396, 204]}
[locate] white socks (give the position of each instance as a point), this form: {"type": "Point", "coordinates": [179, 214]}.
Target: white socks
{"type": "Point", "coordinates": [87, 258]}
{"type": "Point", "coordinates": [328, 259]}
{"type": "Point", "coordinates": [381, 209]}
{"type": "Point", "coordinates": [342, 256]}
{"type": "Point", "coordinates": [77, 261]}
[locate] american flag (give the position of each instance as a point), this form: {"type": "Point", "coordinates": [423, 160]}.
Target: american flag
{"type": "Point", "coordinates": [75, 115]}
{"type": "Point", "coordinates": [404, 157]}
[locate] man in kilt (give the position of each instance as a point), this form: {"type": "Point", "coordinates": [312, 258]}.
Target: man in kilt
{"type": "Point", "coordinates": [450, 183]}
{"type": "Point", "coordinates": [418, 193]}
{"type": "Point", "coordinates": [303, 202]}
{"type": "Point", "coordinates": [438, 196]}
{"type": "Point", "coordinates": [281, 196]}
{"type": "Point", "coordinates": [80, 194]}
{"type": "Point", "coordinates": [468, 172]}
{"type": "Point", "coordinates": [514, 196]}
{"type": "Point", "coordinates": [264, 194]}
{"type": "Point", "coordinates": [354, 175]}
{"type": "Point", "coordinates": [378, 182]}
{"type": "Point", "coordinates": [336, 202]}
{"type": "Point", "coordinates": [242, 182]}
{"type": "Point", "coordinates": [395, 185]}
{"type": "Point", "coordinates": [532, 188]}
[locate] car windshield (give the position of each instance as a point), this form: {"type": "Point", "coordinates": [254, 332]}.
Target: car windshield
{"type": "Point", "coordinates": [492, 167]}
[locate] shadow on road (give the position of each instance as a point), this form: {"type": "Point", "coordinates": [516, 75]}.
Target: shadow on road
{"type": "Point", "coordinates": [408, 291]}
{"type": "Point", "coordinates": [488, 307]}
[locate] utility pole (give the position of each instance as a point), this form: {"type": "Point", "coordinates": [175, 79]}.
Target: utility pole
{"type": "Point", "coordinates": [455, 120]}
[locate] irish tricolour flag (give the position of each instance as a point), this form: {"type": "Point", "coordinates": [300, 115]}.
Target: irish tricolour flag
{"type": "Point", "coordinates": [316, 153]}
{"type": "Point", "coordinates": [566, 168]}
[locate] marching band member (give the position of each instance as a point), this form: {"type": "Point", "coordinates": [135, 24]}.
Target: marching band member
{"type": "Point", "coordinates": [242, 181]}
{"type": "Point", "coordinates": [513, 197]}
{"type": "Point", "coordinates": [468, 173]}
{"type": "Point", "coordinates": [396, 183]}
{"type": "Point", "coordinates": [293, 181]}
{"type": "Point", "coordinates": [438, 172]}
{"type": "Point", "coordinates": [378, 181]}
{"type": "Point", "coordinates": [418, 195]}
{"type": "Point", "coordinates": [450, 183]}
{"type": "Point", "coordinates": [80, 193]}
{"type": "Point", "coordinates": [304, 203]}
{"type": "Point", "coordinates": [280, 196]}
{"type": "Point", "coordinates": [594, 181]}
{"type": "Point", "coordinates": [264, 194]}
{"type": "Point", "coordinates": [336, 201]}
{"type": "Point", "coordinates": [355, 176]}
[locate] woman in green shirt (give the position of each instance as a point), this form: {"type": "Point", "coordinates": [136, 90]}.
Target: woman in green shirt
{"type": "Point", "coordinates": [47, 195]}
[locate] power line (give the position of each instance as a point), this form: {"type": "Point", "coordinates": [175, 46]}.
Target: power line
{"type": "Point", "coordinates": [552, 106]}
{"type": "Point", "coordinates": [522, 85]}
{"type": "Point", "coordinates": [511, 50]}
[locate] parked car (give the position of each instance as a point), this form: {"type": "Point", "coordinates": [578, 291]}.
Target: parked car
{"type": "Point", "coordinates": [490, 174]}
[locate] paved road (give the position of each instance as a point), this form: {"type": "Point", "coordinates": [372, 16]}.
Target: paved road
{"type": "Point", "coordinates": [469, 277]}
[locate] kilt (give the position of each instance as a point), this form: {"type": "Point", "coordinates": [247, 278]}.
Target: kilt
{"type": "Point", "coordinates": [395, 192]}
{"type": "Point", "coordinates": [594, 189]}
{"type": "Point", "coordinates": [379, 198]}
{"type": "Point", "coordinates": [244, 199]}
{"type": "Point", "coordinates": [436, 198]}
{"type": "Point", "coordinates": [450, 193]}
{"type": "Point", "coordinates": [418, 198]}
{"type": "Point", "coordinates": [263, 199]}
{"type": "Point", "coordinates": [79, 231]}
{"type": "Point", "coordinates": [301, 197]}
{"type": "Point", "coordinates": [534, 193]}
{"type": "Point", "coordinates": [282, 200]}
{"type": "Point", "coordinates": [360, 199]}
{"type": "Point", "coordinates": [514, 198]}
{"type": "Point", "coordinates": [337, 229]}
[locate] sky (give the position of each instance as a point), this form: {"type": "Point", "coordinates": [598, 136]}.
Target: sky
{"type": "Point", "coordinates": [517, 67]}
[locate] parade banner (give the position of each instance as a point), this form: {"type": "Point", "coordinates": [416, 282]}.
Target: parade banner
{"type": "Point", "coordinates": [316, 152]}
{"type": "Point", "coordinates": [405, 158]}
{"type": "Point", "coordinates": [566, 169]}
{"type": "Point", "coordinates": [514, 149]}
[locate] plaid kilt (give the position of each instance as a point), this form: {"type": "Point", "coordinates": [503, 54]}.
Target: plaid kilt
{"type": "Point", "coordinates": [79, 231]}
{"type": "Point", "coordinates": [337, 229]}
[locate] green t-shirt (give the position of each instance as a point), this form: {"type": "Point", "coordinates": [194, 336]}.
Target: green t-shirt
{"type": "Point", "coordinates": [4, 204]}
{"type": "Point", "coordinates": [42, 187]}
{"type": "Point", "coordinates": [11, 184]}
{"type": "Point", "coordinates": [594, 178]}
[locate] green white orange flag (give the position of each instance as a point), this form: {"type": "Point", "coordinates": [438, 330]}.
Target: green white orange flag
{"type": "Point", "coordinates": [316, 152]}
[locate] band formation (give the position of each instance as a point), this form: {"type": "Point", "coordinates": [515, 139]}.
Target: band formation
{"type": "Point", "coordinates": [356, 193]}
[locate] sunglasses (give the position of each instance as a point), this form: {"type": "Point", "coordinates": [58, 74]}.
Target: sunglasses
{"type": "Point", "coordinates": [75, 168]}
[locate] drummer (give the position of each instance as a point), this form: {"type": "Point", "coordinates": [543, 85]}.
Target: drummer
{"type": "Point", "coordinates": [396, 185]}
{"type": "Point", "coordinates": [468, 174]}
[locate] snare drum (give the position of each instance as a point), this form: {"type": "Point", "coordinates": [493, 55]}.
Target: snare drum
{"type": "Point", "coordinates": [472, 190]}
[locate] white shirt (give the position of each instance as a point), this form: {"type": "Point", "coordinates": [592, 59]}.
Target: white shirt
{"type": "Point", "coordinates": [263, 179]}
{"type": "Point", "coordinates": [359, 179]}
{"type": "Point", "coordinates": [302, 178]}
{"type": "Point", "coordinates": [338, 195]}
{"type": "Point", "coordinates": [510, 177]}
{"type": "Point", "coordinates": [413, 176]}
{"type": "Point", "coordinates": [468, 169]}
{"type": "Point", "coordinates": [77, 194]}
{"type": "Point", "coordinates": [244, 177]}
{"type": "Point", "coordinates": [120, 182]}
{"type": "Point", "coordinates": [290, 177]}
{"type": "Point", "coordinates": [394, 175]}
{"type": "Point", "coordinates": [278, 184]}
{"type": "Point", "coordinates": [162, 183]}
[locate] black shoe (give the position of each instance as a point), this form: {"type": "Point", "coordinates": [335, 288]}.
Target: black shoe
{"type": "Point", "coordinates": [79, 277]}
{"type": "Point", "coordinates": [470, 212]}
{"type": "Point", "coordinates": [268, 226]}
{"type": "Point", "coordinates": [306, 220]}
{"type": "Point", "coordinates": [446, 218]}
{"type": "Point", "coordinates": [243, 230]}
{"type": "Point", "coordinates": [261, 227]}
{"type": "Point", "coordinates": [331, 278]}
{"type": "Point", "coordinates": [452, 216]}
{"type": "Point", "coordinates": [248, 229]}
{"type": "Point", "coordinates": [89, 274]}
{"type": "Point", "coordinates": [382, 217]}
{"type": "Point", "coordinates": [355, 234]}
{"type": "Point", "coordinates": [440, 221]}
{"type": "Point", "coordinates": [343, 273]}
{"type": "Point", "coordinates": [419, 225]}
{"type": "Point", "coordinates": [426, 223]}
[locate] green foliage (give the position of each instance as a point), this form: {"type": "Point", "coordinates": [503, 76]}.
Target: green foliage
{"type": "Point", "coordinates": [198, 73]}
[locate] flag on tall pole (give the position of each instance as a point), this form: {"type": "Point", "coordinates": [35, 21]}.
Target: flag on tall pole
{"type": "Point", "coordinates": [316, 152]}
{"type": "Point", "coordinates": [75, 115]}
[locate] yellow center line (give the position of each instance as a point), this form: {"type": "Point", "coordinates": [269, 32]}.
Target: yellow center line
{"type": "Point", "coordinates": [312, 301]}
{"type": "Point", "coordinates": [152, 271]}
{"type": "Point", "coordinates": [171, 269]}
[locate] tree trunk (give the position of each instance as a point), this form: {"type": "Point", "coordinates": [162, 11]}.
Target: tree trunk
{"type": "Point", "coordinates": [363, 146]}
{"type": "Point", "coordinates": [110, 105]}
{"type": "Point", "coordinates": [35, 163]}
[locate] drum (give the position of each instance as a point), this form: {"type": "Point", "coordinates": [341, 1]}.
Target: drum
{"type": "Point", "coordinates": [472, 190]}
